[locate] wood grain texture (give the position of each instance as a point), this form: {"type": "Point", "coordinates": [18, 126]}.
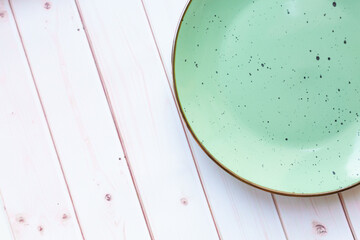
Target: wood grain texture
{"type": "Point", "coordinates": [148, 120]}
{"type": "Point", "coordinates": [35, 194]}
{"type": "Point", "coordinates": [31, 181]}
{"type": "Point", "coordinates": [307, 209]}
{"type": "Point", "coordinates": [80, 120]}
{"type": "Point", "coordinates": [314, 218]}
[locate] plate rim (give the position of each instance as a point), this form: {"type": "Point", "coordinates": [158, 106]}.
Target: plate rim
{"type": "Point", "coordinates": [233, 174]}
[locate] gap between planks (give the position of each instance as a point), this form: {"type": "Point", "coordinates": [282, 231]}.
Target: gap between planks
{"type": "Point", "coordinates": [346, 215]}
{"type": "Point", "coordinates": [7, 215]}
{"type": "Point", "coordinates": [182, 122]}
{"type": "Point", "coordinates": [278, 212]}
{"type": "Point", "coordinates": [114, 118]}
{"type": "Point", "coordinates": [45, 116]}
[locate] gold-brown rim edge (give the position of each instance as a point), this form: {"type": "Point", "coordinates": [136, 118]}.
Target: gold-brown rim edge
{"type": "Point", "coordinates": [290, 194]}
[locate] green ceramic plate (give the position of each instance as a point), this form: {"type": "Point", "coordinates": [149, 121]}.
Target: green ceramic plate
{"type": "Point", "coordinates": [270, 89]}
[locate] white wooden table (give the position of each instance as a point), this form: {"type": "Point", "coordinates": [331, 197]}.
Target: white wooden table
{"type": "Point", "coordinates": [92, 145]}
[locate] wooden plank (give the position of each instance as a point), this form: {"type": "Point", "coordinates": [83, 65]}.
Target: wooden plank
{"type": "Point", "coordinates": [80, 120]}
{"type": "Point", "coordinates": [314, 218]}
{"type": "Point", "coordinates": [164, 17]}
{"type": "Point", "coordinates": [239, 209]}
{"type": "Point", "coordinates": [147, 118]}
{"type": "Point", "coordinates": [5, 229]}
{"type": "Point", "coordinates": [31, 181]}
{"type": "Point", "coordinates": [351, 201]}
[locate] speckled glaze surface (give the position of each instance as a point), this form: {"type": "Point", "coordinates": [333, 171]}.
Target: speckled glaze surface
{"type": "Point", "coordinates": [270, 89]}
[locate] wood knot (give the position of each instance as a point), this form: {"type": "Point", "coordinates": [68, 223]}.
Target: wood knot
{"type": "Point", "coordinates": [40, 228]}
{"type": "Point", "coordinates": [65, 216]}
{"type": "Point", "coordinates": [184, 201]}
{"type": "Point", "coordinates": [2, 14]}
{"type": "Point", "coordinates": [47, 5]}
{"type": "Point", "coordinates": [20, 219]}
{"type": "Point", "coordinates": [319, 228]}
{"type": "Point", "coordinates": [108, 197]}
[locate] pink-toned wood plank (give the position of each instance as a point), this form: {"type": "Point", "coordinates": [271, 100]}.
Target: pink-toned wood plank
{"type": "Point", "coordinates": [314, 218]}
{"type": "Point", "coordinates": [31, 181]}
{"type": "Point", "coordinates": [80, 120]}
{"type": "Point", "coordinates": [164, 17]}
{"type": "Point", "coordinates": [351, 201]}
{"type": "Point", "coordinates": [148, 120]}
